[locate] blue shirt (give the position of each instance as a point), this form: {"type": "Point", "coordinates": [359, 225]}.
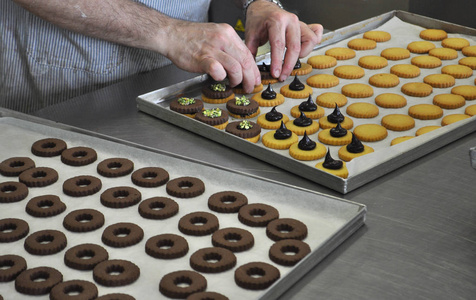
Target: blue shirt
{"type": "Point", "coordinates": [42, 64]}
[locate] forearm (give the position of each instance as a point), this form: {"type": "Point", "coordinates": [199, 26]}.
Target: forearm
{"type": "Point", "coordinates": [121, 21]}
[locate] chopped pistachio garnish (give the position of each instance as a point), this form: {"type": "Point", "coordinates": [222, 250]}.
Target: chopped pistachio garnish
{"type": "Point", "coordinates": [218, 87]}
{"type": "Point", "coordinates": [242, 101]}
{"type": "Point", "coordinates": [245, 125]}
{"type": "Point", "coordinates": [186, 101]}
{"type": "Point", "coordinates": [212, 113]}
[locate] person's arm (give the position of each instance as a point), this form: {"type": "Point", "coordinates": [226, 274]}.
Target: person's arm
{"type": "Point", "coordinates": [288, 37]}
{"type": "Point", "coordinates": [210, 48]}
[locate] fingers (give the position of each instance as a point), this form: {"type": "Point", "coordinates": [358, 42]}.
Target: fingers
{"type": "Point", "coordinates": [311, 35]}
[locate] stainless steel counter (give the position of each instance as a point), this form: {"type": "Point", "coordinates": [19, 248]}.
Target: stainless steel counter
{"type": "Point", "coordinates": [419, 241]}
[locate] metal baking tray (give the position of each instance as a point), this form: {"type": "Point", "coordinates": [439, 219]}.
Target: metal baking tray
{"type": "Point", "coordinates": [330, 220]}
{"type": "Point", "coordinates": [362, 170]}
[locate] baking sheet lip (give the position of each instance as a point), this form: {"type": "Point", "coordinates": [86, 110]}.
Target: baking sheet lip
{"type": "Point", "coordinates": [309, 262]}
{"type": "Point", "coordinates": [4, 114]}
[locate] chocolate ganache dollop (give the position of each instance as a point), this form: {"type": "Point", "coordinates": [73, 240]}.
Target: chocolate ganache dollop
{"type": "Point", "coordinates": [273, 115]}
{"type": "Point", "coordinates": [282, 133]}
{"type": "Point", "coordinates": [296, 85]}
{"type": "Point", "coordinates": [338, 131]}
{"type": "Point", "coordinates": [336, 116]}
{"type": "Point", "coordinates": [308, 105]}
{"type": "Point", "coordinates": [330, 163]}
{"type": "Point", "coordinates": [302, 121]}
{"type": "Point", "coordinates": [306, 143]}
{"type": "Point", "coordinates": [269, 93]}
{"type": "Point", "coordinates": [355, 146]}
{"type": "Point", "coordinates": [297, 65]}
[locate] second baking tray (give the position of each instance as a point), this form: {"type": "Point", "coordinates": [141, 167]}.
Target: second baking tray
{"type": "Point", "coordinates": [330, 220]}
{"type": "Point", "coordinates": [365, 168]}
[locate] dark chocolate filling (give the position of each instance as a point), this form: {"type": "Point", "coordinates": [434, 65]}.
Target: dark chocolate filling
{"type": "Point", "coordinates": [273, 115]}
{"type": "Point", "coordinates": [355, 146]}
{"type": "Point", "coordinates": [282, 133]}
{"type": "Point", "coordinates": [336, 116]}
{"type": "Point", "coordinates": [302, 121]}
{"type": "Point", "coordinates": [338, 131]}
{"type": "Point", "coordinates": [306, 144]}
{"type": "Point", "coordinates": [296, 85]}
{"type": "Point", "coordinates": [330, 163]}
{"type": "Point", "coordinates": [308, 105]}
{"type": "Point", "coordinates": [297, 65]}
{"type": "Point", "coordinates": [269, 93]}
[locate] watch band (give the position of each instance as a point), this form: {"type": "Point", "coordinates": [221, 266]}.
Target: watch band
{"type": "Point", "coordinates": [245, 7]}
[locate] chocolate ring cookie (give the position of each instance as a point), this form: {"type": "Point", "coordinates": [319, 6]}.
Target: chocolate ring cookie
{"type": "Point", "coordinates": [48, 147]}
{"type": "Point", "coordinates": [166, 246]}
{"type": "Point", "coordinates": [81, 289]}
{"type": "Point", "coordinates": [158, 208]}
{"type": "Point", "coordinates": [171, 285]}
{"type": "Point", "coordinates": [227, 202]}
{"type": "Point", "coordinates": [81, 186]}
{"type": "Point", "coordinates": [286, 228]}
{"type": "Point", "coordinates": [120, 197]}
{"type": "Point", "coordinates": [116, 296]}
{"type": "Point", "coordinates": [12, 230]}
{"type": "Point", "coordinates": [15, 165]}
{"type": "Point", "coordinates": [78, 156]}
{"type": "Point", "coordinates": [38, 177]}
{"type": "Point", "coordinates": [45, 242]}
{"type": "Point", "coordinates": [150, 177]}
{"type": "Point", "coordinates": [212, 260]}
{"type": "Point", "coordinates": [115, 272]}
{"type": "Point", "coordinates": [11, 266]}
{"type": "Point", "coordinates": [233, 239]}
{"type": "Point", "coordinates": [83, 220]}
{"type": "Point", "coordinates": [257, 214]}
{"type": "Point", "coordinates": [288, 252]}
{"type": "Point", "coordinates": [185, 187]}
{"type": "Point", "coordinates": [115, 167]}
{"type": "Point", "coordinates": [12, 191]}
{"type": "Point", "coordinates": [45, 206]}
{"type": "Point", "coordinates": [198, 223]}
{"type": "Point", "coordinates": [207, 296]}
{"type": "Point", "coordinates": [38, 281]}
{"type": "Point", "coordinates": [85, 256]}
{"type": "Point", "coordinates": [256, 275]}
{"type": "Point", "coordinates": [121, 235]}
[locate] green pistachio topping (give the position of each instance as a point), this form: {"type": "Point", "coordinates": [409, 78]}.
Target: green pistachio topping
{"type": "Point", "coordinates": [245, 125]}
{"type": "Point", "coordinates": [212, 113]}
{"type": "Point", "coordinates": [186, 101]}
{"type": "Point", "coordinates": [242, 101]}
{"type": "Point", "coordinates": [218, 87]}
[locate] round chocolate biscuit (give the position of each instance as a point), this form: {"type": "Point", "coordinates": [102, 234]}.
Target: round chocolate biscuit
{"type": "Point", "coordinates": [120, 197]}
{"type": "Point", "coordinates": [48, 147]}
{"type": "Point", "coordinates": [12, 191]}
{"type": "Point", "coordinates": [12, 229]}
{"type": "Point", "coordinates": [207, 296]}
{"type": "Point", "coordinates": [227, 201]}
{"type": "Point", "coordinates": [115, 272]}
{"type": "Point", "coordinates": [198, 223]}
{"type": "Point", "coordinates": [115, 167]}
{"type": "Point", "coordinates": [257, 214]}
{"type": "Point", "coordinates": [286, 228]}
{"type": "Point", "coordinates": [189, 108]}
{"type": "Point", "coordinates": [233, 238]}
{"type": "Point", "coordinates": [45, 242]}
{"type": "Point", "coordinates": [38, 177]}
{"type": "Point", "coordinates": [235, 129]}
{"type": "Point", "coordinates": [81, 186]}
{"type": "Point", "coordinates": [185, 187]}
{"type": "Point", "coordinates": [11, 266]}
{"type": "Point", "coordinates": [77, 289]}
{"type": "Point", "coordinates": [181, 284]}
{"type": "Point", "coordinates": [256, 275]}
{"type": "Point", "coordinates": [158, 208]}
{"type": "Point", "coordinates": [14, 166]}
{"type": "Point", "coordinates": [38, 281]}
{"type": "Point", "coordinates": [166, 246]}
{"type": "Point", "coordinates": [45, 206]}
{"type": "Point", "coordinates": [78, 156]}
{"type": "Point", "coordinates": [83, 220]}
{"type": "Point", "coordinates": [122, 235]}
{"type": "Point", "coordinates": [209, 93]}
{"type": "Point", "coordinates": [288, 252]}
{"type": "Point", "coordinates": [150, 177]}
{"type": "Point", "coordinates": [85, 256]}
{"type": "Point", "coordinates": [116, 296]}
{"type": "Point", "coordinates": [212, 260]}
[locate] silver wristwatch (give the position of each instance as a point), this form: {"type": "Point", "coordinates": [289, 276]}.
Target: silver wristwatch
{"type": "Point", "coordinates": [245, 7]}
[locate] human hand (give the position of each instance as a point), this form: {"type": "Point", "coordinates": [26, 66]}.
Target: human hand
{"type": "Point", "coordinates": [215, 49]}
{"type": "Point", "coordinates": [288, 37]}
